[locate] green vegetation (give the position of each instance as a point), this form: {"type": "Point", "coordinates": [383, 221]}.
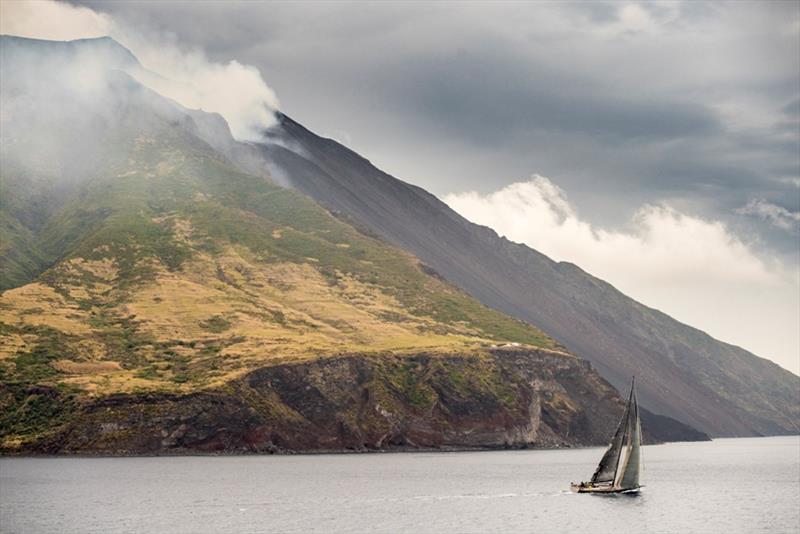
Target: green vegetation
{"type": "Point", "coordinates": [216, 324]}
{"type": "Point", "coordinates": [28, 413]}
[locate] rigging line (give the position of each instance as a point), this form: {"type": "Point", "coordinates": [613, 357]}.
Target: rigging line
{"type": "Point", "coordinates": [641, 451]}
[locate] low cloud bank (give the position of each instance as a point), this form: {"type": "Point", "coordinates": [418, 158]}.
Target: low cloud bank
{"type": "Point", "coordinates": [694, 269]}
{"type": "Point", "coordinates": [235, 91]}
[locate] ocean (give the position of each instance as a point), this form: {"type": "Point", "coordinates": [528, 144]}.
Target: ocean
{"type": "Point", "coordinates": [726, 486]}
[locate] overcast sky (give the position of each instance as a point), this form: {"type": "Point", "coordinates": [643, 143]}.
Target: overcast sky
{"type": "Point", "coordinates": [655, 144]}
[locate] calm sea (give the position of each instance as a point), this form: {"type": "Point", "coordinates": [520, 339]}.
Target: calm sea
{"type": "Point", "coordinates": [726, 486]}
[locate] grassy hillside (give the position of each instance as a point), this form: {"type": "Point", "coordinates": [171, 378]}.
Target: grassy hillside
{"type": "Point", "coordinates": [175, 272]}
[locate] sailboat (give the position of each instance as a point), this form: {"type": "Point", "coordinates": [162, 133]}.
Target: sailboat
{"type": "Point", "coordinates": [618, 471]}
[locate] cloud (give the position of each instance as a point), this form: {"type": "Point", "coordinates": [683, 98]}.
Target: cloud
{"type": "Point", "coordinates": [694, 269]}
{"type": "Point", "coordinates": [662, 244]}
{"type": "Point", "coordinates": [791, 181]}
{"type": "Point", "coordinates": [630, 19]}
{"type": "Point", "coordinates": [234, 90]}
{"type": "Point", "coordinates": [776, 215]}
{"type": "Point", "coordinates": [43, 19]}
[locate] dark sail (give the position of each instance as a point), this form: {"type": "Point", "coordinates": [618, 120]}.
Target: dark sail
{"type": "Point", "coordinates": [607, 470]}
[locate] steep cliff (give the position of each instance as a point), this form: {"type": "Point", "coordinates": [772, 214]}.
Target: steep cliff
{"type": "Point", "coordinates": [498, 398]}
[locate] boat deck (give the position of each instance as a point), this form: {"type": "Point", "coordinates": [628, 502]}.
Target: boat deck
{"type": "Point", "coordinates": [578, 488]}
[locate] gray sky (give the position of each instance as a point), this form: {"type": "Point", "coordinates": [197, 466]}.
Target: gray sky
{"type": "Point", "coordinates": [668, 133]}
{"type": "Point", "coordinates": [693, 102]}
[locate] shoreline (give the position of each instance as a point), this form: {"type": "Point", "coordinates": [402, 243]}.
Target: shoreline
{"type": "Point", "coordinates": [352, 452]}
{"type": "Point", "coordinates": [287, 452]}
{"type": "Point", "coordinates": [348, 452]}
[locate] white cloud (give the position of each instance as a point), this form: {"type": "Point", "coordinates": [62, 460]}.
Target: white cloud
{"type": "Point", "coordinates": [235, 91]}
{"type": "Point", "coordinates": [631, 19]}
{"type": "Point", "coordinates": [691, 268]}
{"type": "Point", "coordinates": [44, 19]}
{"type": "Point", "coordinates": [776, 215]}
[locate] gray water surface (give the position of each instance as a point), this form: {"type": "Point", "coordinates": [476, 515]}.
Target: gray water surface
{"type": "Point", "coordinates": [726, 486]}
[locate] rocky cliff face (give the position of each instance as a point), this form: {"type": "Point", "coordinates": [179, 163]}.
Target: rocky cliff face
{"type": "Point", "coordinates": [501, 398]}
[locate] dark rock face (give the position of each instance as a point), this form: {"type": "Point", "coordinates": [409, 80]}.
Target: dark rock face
{"type": "Point", "coordinates": [661, 428]}
{"type": "Point", "coordinates": [682, 372]}
{"type": "Point", "coordinates": [504, 398]}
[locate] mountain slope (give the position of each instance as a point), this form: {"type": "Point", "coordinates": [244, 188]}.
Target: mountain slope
{"type": "Point", "coordinates": [166, 301]}
{"type": "Point", "coordinates": [683, 373]}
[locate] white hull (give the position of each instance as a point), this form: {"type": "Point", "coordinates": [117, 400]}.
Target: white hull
{"type": "Point", "coordinates": [604, 489]}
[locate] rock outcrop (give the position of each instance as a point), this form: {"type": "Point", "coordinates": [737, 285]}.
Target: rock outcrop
{"type": "Point", "coordinates": [498, 399]}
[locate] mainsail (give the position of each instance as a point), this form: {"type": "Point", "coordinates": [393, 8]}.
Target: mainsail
{"type": "Point", "coordinates": [607, 469]}
{"type": "Point", "coordinates": [619, 466]}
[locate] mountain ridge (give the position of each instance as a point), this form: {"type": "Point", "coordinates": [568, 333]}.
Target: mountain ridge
{"type": "Point", "coordinates": [560, 297]}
